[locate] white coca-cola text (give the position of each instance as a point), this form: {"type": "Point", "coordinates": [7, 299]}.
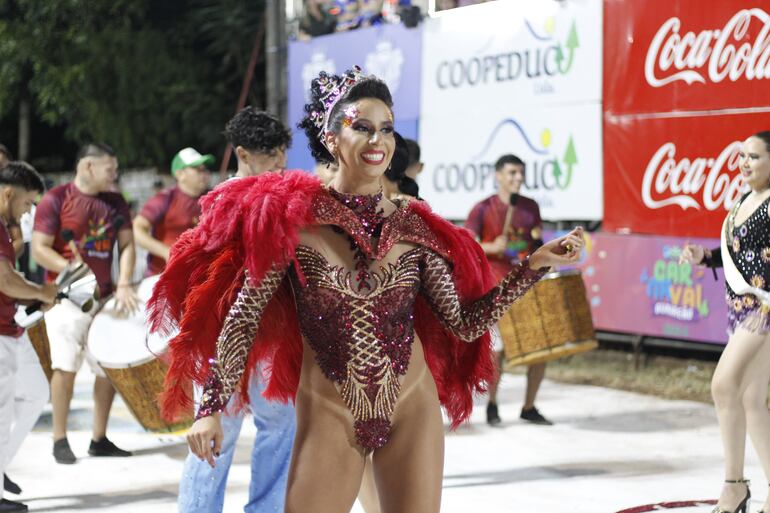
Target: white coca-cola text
{"type": "Point", "coordinates": [710, 55]}
{"type": "Point", "coordinates": [702, 182]}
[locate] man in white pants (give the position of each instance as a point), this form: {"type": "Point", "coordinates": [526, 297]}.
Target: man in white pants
{"type": "Point", "coordinates": [23, 386]}
{"type": "Point", "coordinates": [97, 220]}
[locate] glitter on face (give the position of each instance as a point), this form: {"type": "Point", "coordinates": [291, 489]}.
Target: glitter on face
{"type": "Point", "coordinates": [351, 114]}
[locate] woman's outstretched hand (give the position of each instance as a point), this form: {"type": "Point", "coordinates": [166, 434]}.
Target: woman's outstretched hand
{"type": "Point", "coordinates": [205, 437]}
{"type": "Point", "coordinates": [692, 254]}
{"type": "Point", "coordinates": [562, 251]}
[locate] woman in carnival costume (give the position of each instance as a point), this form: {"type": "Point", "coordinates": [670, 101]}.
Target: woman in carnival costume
{"type": "Point", "coordinates": [739, 384]}
{"type": "Point", "coordinates": [368, 313]}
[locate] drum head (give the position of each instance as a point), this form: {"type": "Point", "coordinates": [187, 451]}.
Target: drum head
{"type": "Point", "coordinates": [118, 341]}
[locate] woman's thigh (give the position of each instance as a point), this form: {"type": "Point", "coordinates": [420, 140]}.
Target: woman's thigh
{"type": "Point", "coordinates": [326, 464]}
{"type": "Point", "coordinates": [736, 360]}
{"type": "Point", "coordinates": [409, 469]}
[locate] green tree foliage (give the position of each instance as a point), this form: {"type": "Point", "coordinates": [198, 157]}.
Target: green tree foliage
{"type": "Point", "coordinates": [148, 77]}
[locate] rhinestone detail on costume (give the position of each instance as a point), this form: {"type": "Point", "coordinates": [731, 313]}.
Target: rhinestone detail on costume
{"type": "Point", "coordinates": [362, 337]}
{"type": "Point", "coordinates": [751, 253]}
{"type": "Point", "coordinates": [235, 340]}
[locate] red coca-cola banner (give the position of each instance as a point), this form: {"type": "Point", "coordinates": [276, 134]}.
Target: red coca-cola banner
{"type": "Point", "coordinates": [674, 175]}
{"type": "Point", "coordinates": [666, 55]}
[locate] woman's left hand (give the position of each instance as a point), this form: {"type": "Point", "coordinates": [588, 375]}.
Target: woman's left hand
{"type": "Point", "coordinates": [562, 251]}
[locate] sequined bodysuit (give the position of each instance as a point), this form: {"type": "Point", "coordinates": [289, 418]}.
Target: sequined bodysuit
{"type": "Point", "coordinates": [359, 317]}
{"type": "Point", "coordinates": [749, 248]}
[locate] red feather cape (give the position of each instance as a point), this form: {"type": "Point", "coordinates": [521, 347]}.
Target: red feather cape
{"type": "Point", "coordinates": [254, 223]}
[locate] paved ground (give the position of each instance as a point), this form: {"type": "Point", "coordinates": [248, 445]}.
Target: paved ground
{"type": "Point", "coordinates": [609, 451]}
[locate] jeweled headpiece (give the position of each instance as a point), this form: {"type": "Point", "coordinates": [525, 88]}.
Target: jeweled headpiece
{"type": "Point", "coordinates": [332, 89]}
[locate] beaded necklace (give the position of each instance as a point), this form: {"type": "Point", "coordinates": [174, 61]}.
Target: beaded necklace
{"type": "Point", "coordinates": [365, 208]}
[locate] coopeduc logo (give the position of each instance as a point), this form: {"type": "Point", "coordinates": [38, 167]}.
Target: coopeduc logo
{"type": "Point", "coordinates": [710, 55]}
{"type": "Point", "coordinates": [715, 181]}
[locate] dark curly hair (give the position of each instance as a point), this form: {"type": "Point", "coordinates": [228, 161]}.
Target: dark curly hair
{"type": "Point", "coordinates": [396, 172]}
{"type": "Point", "coordinates": [369, 87]}
{"type": "Point", "coordinates": [257, 130]}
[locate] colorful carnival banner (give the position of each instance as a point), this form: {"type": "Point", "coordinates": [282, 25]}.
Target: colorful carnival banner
{"type": "Point", "coordinates": [676, 175]}
{"type": "Point", "coordinates": [666, 55]}
{"type": "Point", "coordinates": [391, 52]}
{"type": "Point", "coordinates": [513, 77]}
{"type": "Point", "coordinates": [635, 284]}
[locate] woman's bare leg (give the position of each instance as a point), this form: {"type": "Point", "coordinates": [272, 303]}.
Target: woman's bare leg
{"type": "Point", "coordinates": [755, 405]}
{"type": "Point", "coordinates": [326, 463]}
{"type": "Point", "coordinates": [727, 388]}
{"type": "Point", "coordinates": [410, 468]}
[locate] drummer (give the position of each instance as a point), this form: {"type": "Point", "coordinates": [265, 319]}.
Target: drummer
{"type": "Point", "coordinates": [97, 218]}
{"type": "Point", "coordinates": [23, 386]}
{"type": "Point", "coordinates": [509, 234]}
{"type": "Point", "coordinates": [172, 211]}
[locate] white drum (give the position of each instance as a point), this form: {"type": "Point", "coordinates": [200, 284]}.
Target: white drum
{"type": "Point", "coordinates": [133, 359]}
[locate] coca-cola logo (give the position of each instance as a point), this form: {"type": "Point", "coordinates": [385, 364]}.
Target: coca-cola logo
{"type": "Point", "coordinates": [710, 55]}
{"type": "Point", "coordinates": [697, 183]}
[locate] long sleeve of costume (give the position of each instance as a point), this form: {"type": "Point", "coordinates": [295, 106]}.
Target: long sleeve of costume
{"type": "Point", "coordinates": [235, 341]}
{"type": "Point", "coordinates": [469, 321]}
{"type": "Point", "coordinates": [715, 260]}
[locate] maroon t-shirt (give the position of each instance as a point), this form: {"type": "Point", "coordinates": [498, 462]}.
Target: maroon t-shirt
{"type": "Point", "coordinates": [92, 220]}
{"type": "Point", "coordinates": [8, 326]}
{"type": "Point", "coordinates": [486, 220]}
{"type": "Point", "coordinates": [171, 212]}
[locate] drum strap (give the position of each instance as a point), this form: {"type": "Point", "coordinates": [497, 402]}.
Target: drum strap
{"type": "Point", "coordinates": [732, 274]}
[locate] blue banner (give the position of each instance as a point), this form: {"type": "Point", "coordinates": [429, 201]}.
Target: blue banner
{"type": "Point", "coordinates": [391, 52]}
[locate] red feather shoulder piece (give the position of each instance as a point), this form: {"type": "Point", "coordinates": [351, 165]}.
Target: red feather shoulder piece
{"type": "Point", "coordinates": [246, 224]}
{"type": "Point", "coordinates": [254, 224]}
{"type": "Point", "coordinates": [460, 369]}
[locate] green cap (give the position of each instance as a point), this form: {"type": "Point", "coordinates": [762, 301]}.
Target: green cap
{"type": "Point", "coordinates": [189, 157]}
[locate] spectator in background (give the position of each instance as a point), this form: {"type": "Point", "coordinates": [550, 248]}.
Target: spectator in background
{"type": "Point", "coordinates": [415, 165]}
{"type": "Point", "coordinates": [352, 14]}
{"type": "Point", "coordinates": [396, 184]}
{"type": "Point", "coordinates": [172, 211]}
{"type": "Point", "coordinates": [317, 20]}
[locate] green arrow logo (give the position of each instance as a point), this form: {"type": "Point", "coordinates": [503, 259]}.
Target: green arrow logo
{"type": "Point", "coordinates": [570, 159]}
{"type": "Point", "coordinates": [571, 44]}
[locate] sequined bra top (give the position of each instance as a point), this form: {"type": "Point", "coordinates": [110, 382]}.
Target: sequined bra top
{"type": "Point", "coordinates": [359, 320]}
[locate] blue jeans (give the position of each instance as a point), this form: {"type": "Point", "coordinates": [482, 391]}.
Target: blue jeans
{"type": "Point", "coordinates": [202, 489]}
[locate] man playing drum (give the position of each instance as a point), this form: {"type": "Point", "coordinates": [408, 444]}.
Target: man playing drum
{"type": "Point", "coordinates": [172, 211]}
{"type": "Point", "coordinates": [259, 141]}
{"type": "Point", "coordinates": [92, 218]}
{"type": "Point", "coordinates": [508, 226]}
{"type": "Point", "coordinates": [23, 386]}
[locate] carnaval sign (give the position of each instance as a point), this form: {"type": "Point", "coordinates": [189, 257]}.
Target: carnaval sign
{"type": "Point", "coordinates": [684, 56]}
{"type": "Point", "coordinates": [635, 284]}
{"type": "Point", "coordinates": [674, 176]}
{"type": "Point", "coordinates": [390, 52]}
{"type": "Point", "coordinates": [513, 77]}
